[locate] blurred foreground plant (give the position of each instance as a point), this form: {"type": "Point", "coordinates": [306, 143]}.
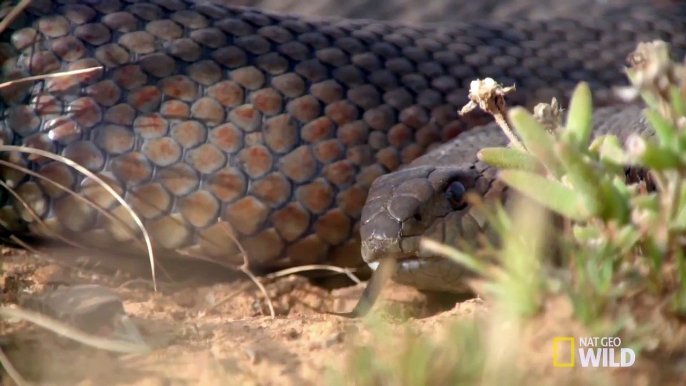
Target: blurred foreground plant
{"type": "Point", "coordinates": [617, 245]}
{"type": "Point", "coordinates": [624, 235]}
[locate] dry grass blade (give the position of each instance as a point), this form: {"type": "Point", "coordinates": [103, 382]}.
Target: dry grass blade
{"type": "Point", "coordinates": [72, 333]}
{"type": "Point", "coordinates": [105, 186]}
{"type": "Point", "coordinates": [287, 272]}
{"type": "Point", "coordinates": [229, 231]}
{"type": "Point", "coordinates": [13, 14]}
{"type": "Point", "coordinates": [314, 267]}
{"type": "Point", "coordinates": [134, 281]}
{"type": "Point", "coordinates": [37, 218]}
{"type": "Point", "coordinates": [245, 267]}
{"type": "Point", "coordinates": [205, 258]}
{"type": "Point", "coordinates": [83, 199]}
{"type": "Point", "coordinates": [284, 272]}
{"type": "Point", "coordinates": [259, 284]}
{"type": "Point", "coordinates": [47, 76]}
{"type": "Point", "coordinates": [11, 371]}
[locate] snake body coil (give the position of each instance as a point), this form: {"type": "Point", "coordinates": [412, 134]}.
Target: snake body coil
{"type": "Point", "coordinates": [276, 124]}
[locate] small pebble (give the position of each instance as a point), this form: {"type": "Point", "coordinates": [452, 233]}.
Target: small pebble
{"type": "Point", "coordinates": [293, 333]}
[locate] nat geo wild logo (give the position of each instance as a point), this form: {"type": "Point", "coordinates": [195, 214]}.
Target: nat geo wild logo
{"type": "Point", "coordinates": [592, 352]}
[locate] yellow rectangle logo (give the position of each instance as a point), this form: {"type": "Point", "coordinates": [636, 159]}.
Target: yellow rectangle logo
{"type": "Point", "coordinates": [556, 363]}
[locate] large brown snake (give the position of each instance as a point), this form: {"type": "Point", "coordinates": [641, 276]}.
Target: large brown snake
{"type": "Point", "coordinates": [275, 123]}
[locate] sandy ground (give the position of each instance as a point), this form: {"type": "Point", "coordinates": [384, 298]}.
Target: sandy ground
{"type": "Point", "coordinates": [195, 338]}
{"type": "Point", "coordinates": [201, 332]}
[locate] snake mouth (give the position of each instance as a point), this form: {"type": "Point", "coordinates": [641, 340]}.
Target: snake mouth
{"type": "Point", "coordinates": [405, 263]}
{"type": "Point", "coordinates": [462, 227]}
{"type": "Point", "coordinates": [430, 274]}
{"type": "Point", "coordinates": [423, 269]}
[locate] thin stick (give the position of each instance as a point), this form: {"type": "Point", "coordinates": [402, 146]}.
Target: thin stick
{"type": "Point", "coordinates": [505, 127]}
{"type": "Point", "coordinates": [133, 281]}
{"type": "Point", "coordinates": [83, 199]}
{"type": "Point", "coordinates": [109, 189]}
{"type": "Point", "coordinates": [7, 20]}
{"type": "Point", "coordinates": [286, 272]}
{"type": "Point", "coordinates": [89, 202]}
{"type": "Point", "coordinates": [233, 238]}
{"type": "Point", "coordinates": [314, 267]}
{"type": "Point", "coordinates": [259, 284]}
{"type": "Point", "coordinates": [72, 333]}
{"type": "Point", "coordinates": [47, 76]}
{"type": "Point", "coordinates": [37, 218]}
{"type": "Point", "coordinates": [205, 258]}
{"type": "Point", "coordinates": [245, 267]}
{"type": "Point", "coordinates": [11, 371]}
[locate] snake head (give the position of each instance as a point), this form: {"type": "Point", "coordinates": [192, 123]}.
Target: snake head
{"type": "Point", "coordinates": [426, 201]}
{"type": "Point", "coordinates": [428, 198]}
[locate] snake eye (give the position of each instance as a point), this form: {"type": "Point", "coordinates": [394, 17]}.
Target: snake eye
{"type": "Point", "coordinates": [455, 193]}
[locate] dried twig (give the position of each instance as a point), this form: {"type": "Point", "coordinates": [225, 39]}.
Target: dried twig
{"type": "Point", "coordinates": [37, 218]}
{"type": "Point", "coordinates": [490, 97]}
{"type": "Point", "coordinates": [7, 20]}
{"type": "Point", "coordinates": [314, 267]}
{"type": "Point", "coordinates": [200, 256]}
{"type": "Point", "coordinates": [77, 196]}
{"type": "Point", "coordinates": [11, 371]}
{"type": "Point", "coordinates": [102, 183]}
{"type": "Point", "coordinates": [47, 76]}
{"type": "Point", "coordinates": [245, 267]}
{"type": "Point", "coordinates": [287, 272]}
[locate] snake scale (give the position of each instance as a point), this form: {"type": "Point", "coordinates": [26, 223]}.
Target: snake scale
{"type": "Point", "coordinates": [275, 123]}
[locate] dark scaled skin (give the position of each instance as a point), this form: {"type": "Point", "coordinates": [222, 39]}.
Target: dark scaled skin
{"type": "Point", "coordinates": [275, 123]}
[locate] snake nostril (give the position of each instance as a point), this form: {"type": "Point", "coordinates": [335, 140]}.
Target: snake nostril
{"type": "Point", "coordinates": [417, 217]}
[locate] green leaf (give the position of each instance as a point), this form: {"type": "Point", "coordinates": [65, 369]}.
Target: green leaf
{"type": "Point", "coordinates": [616, 204]}
{"type": "Point", "coordinates": [597, 143]}
{"type": "Point", "coordinates": [551, 194]}
{"type": "Point", "coordinates": [506, 158]}
{"type": "Point", "coordinates": [664, 130]}
{"type": "Point", "coordinates": [619, 182]}
{"type": "Point", "coordinates": [580, 116]}
{"type": "Point", "coordinates": [582, 177]}
{"type": "Point", "coordinates": [627, 238]}
{"type": "Point", "coordinates": [681, 269]}
{"type": "Point", "coordinates": [649, 154]}
{"type": "Point", "coordinates": [536, 139]}
{"type": "Point", "coordinates": [585, 233]}
{"type": "Point", "coordinates": [610, 151]}
{"type": "Point", "coordinates": [647, 202]}
{"type": "Point", "coordinates": [678, 102]}
{"type": "Point", "coordinates": [680, 220]}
